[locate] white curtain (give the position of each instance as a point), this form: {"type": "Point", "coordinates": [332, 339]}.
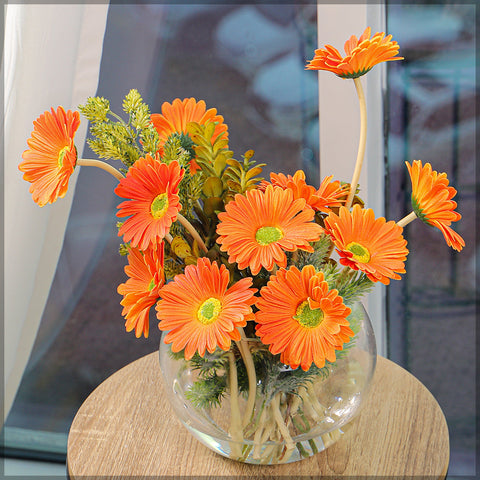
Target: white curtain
{"type": "Point", "coordinates": [51, 57]}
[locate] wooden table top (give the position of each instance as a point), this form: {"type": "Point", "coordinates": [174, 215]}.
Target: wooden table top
{"type": "Point", "coordinates": [126, 428]}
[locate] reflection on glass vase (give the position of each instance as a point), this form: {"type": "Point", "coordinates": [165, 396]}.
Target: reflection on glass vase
{"type": "Point", "coordinates": [246, 405]}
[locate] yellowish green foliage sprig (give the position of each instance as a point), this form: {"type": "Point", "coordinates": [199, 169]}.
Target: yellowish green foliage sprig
{"type": "Point", "coordinates": [210, 156]}
{"type": "Point", "coordinates": [242, 176]}
{"type": "Point", "coordinates": [115, 138]}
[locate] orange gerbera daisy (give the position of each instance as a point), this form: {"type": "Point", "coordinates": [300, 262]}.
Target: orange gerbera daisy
{"type": "Point", "coordinates": [257, 228]}
{"type": "Point", "coordinates": [200, 310]}
{"type": "Point", "coordinates": [361, 55]}
{"type": "Point", "coordinates": [52, 156]}
{"type": "Point", "coordinates": [374, 246]}
{"type": "Point", "coordinates": [141, 290]}
{"type": "Point", "coordinates": [175, 117]}
{"type": "Point", "coordinates": [432, 201]}
{"type": "Point", "coordinates": [299, 317]}
{"type": "Point", "coordinates": [153, 203]}
{"type": "Point", "coordinates": [320, 200]}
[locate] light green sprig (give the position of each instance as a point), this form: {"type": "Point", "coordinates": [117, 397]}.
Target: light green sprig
{"type": "Point", "coordinates": [115, 138]}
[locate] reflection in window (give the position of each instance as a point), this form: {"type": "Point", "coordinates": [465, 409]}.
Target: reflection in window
{"type": "Point", "coordinates": [245, 60]}
{"type": "Point", "coordinates": [432, 118]}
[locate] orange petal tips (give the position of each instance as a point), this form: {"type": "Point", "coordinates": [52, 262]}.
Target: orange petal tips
{"type": "Point", "coordinates": [361, 55]}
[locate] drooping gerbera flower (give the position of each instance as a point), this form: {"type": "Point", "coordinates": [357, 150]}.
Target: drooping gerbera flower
{"type": "Point", "coordinates": [361, 55]}
{"type": "Point", "coordinates": [300, 318]}
{"type": "Point", "coordinates": [141, 290]}
{"type": "Point", "coordinates": [432, 201]}
{"type": "Point", "coordinates": [175, 117]}
{"type": "Point", "coordinates": [258, 227]}
{"type": "Point", "coordinates": [331, 194]}
{"type": "Point", "coordinates": [327, 195]}
{"type": "Point", "coordinates": [374, 246]}
{"type": "Point", "coordinates": [201, 312]}
{"type": "Point", "coordinates": [151, 188]}
{"type": "Point", "coordinates": [52, 156]}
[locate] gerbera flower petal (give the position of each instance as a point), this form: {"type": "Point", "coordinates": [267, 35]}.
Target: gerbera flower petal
{"type": "Point", "coordinates": [287, 323]}
{"type": "Point", "coordinates": [151, 188]}
{"type": "Point", "coordinates": [361, 55]}
{"type": "Point", "coordinates": [177, 115]}
{"type": "Point", "coordinates": [52, 156]}
{"type": "Point", "coordinates": [328, 195]}
{"type": "Point", "coordinates": [432, 201]}
{"type": "Point", "coordinates": [259, 227]}
{"type": "Point", "coordinates": [201, 312]}
{"type": "Point", "coordinates": [371, 245]}
{"type": "Point", "coordinates": [141, 290]}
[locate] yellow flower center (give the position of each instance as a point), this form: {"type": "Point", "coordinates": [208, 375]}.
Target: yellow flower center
{"type": "Point", "coordinates": [209, 311]}
{"type": "Point", "coordinates": [159, 205]}
{"type": "Point", "coordinates": [267, 235]}
{"type": "Point", "coordinates": [360, 253]}
{"type": "Point", "coordinates": [61, 156]}
{"type": "Point", "coordinates": [307, 317]}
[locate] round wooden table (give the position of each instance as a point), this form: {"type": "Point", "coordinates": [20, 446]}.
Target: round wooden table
{"type": "Point", "coordinates": [127, 429]}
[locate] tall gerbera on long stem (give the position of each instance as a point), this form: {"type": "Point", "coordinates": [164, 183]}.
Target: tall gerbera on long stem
{"type": "Point", "coordinates": [151, 188]}
{"type": "Point", "coordinates": [51, 158]}
{"type": "Point", "coordinates": [141, 290]}
{"type": "Point", "coordinates": [374, 246]}
{"type": "Point", "coordinates": [300, 318]}
{"type": "Point", "coordinates": [362, 55]}
{"type": "Point", "coordinates": [432, 202]}
{"type": "Point", "coordinates": [259, 227]}
{"type": "Point", "coordinates": [200, 311]}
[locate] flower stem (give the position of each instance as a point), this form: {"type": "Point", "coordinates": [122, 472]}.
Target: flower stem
{"type": "Point", "coordinates": [252, 376]}
{"type": "Point", "coordinates": [361, 144]}
{"type": "Point", "coordinates": [85, 162]}
{"type": "Point", "coordinates": [189, 227]}
{"type": "Point", "coordinates": [235, 418]}
{"type": "Point", "coordinates": [290, 445]}
{"type": "Point", "coordinates": [406, 220]}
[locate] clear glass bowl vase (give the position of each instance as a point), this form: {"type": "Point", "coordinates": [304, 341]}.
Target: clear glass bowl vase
{"type": "Point", "coordinates": [246, 405]}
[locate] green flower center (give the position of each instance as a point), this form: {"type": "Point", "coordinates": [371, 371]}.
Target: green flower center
{"type": "Point", "coordinates": [360, 253]}
{"type": "Point", "coordinates": [151, 284]}
{"type": "Point", "coordinates": [267, 235]}
{"type": "Point", "coordinates": [61, 156]}
{"type": "Point", "coordinates": [159, 205]}
{"type": "Point", "coordinates": [307, 317]}
{"type": "Point", "coordinates": [209, 311]}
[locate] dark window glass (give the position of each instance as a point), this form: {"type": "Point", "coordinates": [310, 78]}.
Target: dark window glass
{"type": "Point", "coordinates": [431, 96]}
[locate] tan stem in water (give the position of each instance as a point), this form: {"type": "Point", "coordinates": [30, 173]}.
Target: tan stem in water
{"type": "Point", "coordinates": [85, 162]}
{"type": "Point", "coordinates": [361, 143]}
{"type": "Point", "coordinates": [235, 417]}
{"type": "Point", "coordinates": [282, 427]}
{"type": "Point", "coordinates": [406, 220]}
{"type": "Point", "coordinates": [190, 229]}
{"type": "Point", "coordinates": [252, 376]}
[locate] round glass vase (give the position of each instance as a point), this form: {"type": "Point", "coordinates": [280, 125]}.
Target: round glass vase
{"type": "Point", "coordinates": [246, 405]}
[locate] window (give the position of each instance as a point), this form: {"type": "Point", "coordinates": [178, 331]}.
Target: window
{"type": "Point", "coordinates": [245, 60]}
{"type": "Point", "coordinates": [431, 116]}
